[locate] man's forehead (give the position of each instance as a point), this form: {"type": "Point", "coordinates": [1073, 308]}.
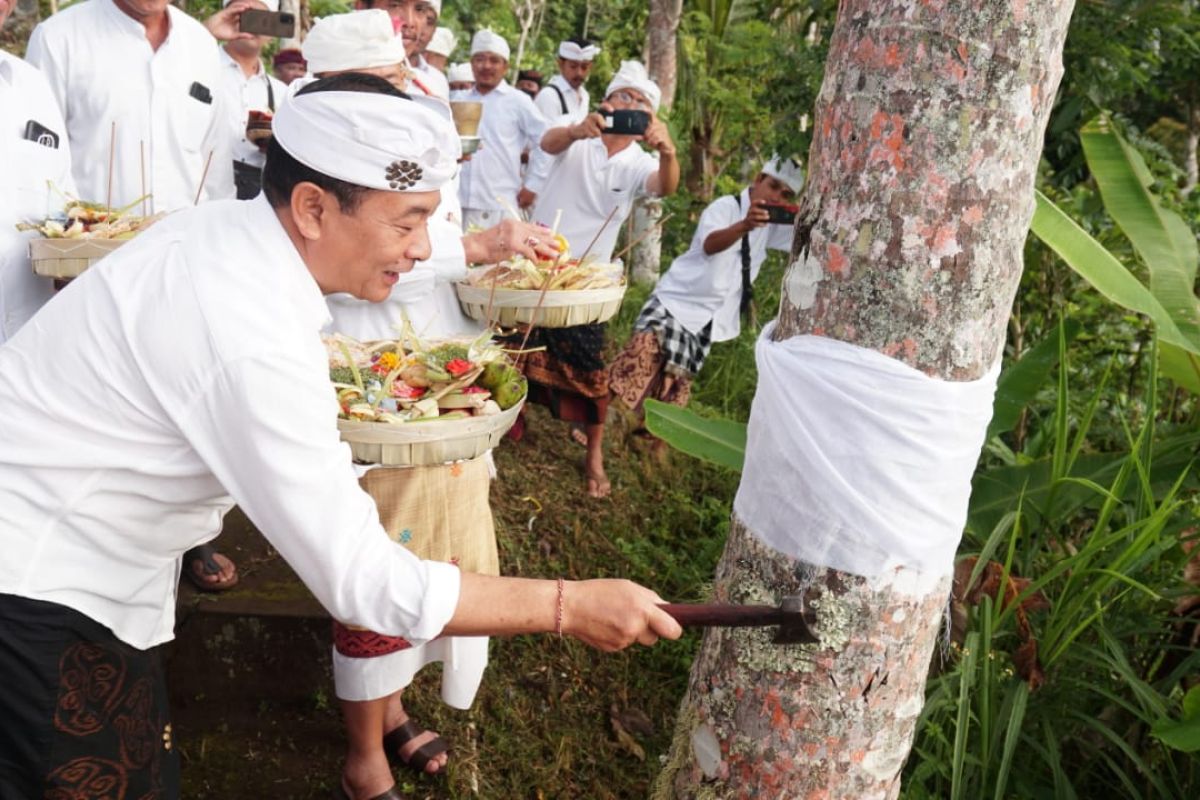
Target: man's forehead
{"type": "Point", "coordinates": [570, 62]}
{"type": "Point", "coordinates": [632, 92]}
{"type": "Point", "coordinates": [418, 5]}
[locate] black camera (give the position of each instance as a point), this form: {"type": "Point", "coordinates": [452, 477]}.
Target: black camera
{"type": "Point", "coordinates": [779, 213]}
{"type": "Point", "coordinates": [626, 122]}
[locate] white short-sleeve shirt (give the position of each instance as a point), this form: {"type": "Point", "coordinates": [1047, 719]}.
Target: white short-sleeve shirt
{"type": "Point", "coordinates": [587, 184]}
{"type": "Point", "coordinates": [510, 125]}
{"type": "Point", "coordinates": [36, 176]}
{"type": "Point", "coordinates": [698, 289]}
{"type": "Point", "coordinates": [164, 103]}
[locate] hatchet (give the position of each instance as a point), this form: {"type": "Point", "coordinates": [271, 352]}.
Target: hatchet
{"type": "Point", "coordinates": [793, 619]}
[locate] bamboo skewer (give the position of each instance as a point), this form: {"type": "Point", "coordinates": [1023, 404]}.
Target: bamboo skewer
{"type": "Point", "coordinates": [509, 208]}
{"type": "Point", "coordinates": [643, 235]}
{"type": "Point", "coordinates": [203, 177]}
{"type": "Point", "coordinates": [112, 154]}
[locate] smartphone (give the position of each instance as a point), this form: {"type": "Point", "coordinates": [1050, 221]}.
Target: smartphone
{"type": "Point", "coordinates": [281, 24]}
{"type": "Point", "coordinates": [626, 122]}
{"type": "Point", "coordinates": [780, 213]}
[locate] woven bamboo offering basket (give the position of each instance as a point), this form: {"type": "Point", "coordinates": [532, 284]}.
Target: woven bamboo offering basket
{"type": "Point", "coordinates": [558, 309]}
{"type": "Point", "coordinates": [426, 442]}
{"type": "Point", "coordinates": [68, 258]}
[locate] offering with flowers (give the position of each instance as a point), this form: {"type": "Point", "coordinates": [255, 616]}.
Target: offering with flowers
{"type": "Point", "coordinates": [409, 380]}
{"type": "Point", "coordinates": [83, 220]}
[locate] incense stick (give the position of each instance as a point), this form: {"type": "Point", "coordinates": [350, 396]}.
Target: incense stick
{"type": "Point", "coordinates": [508, 207]}
{"type": "Point", "coordinates": [596, 238]}
{"type": "Point", "coordinates": [643, 235]}
{"type": "Point", "coordinates": [203, 177]}
{"type": "Point", "coordinates": [142, 158]}
{"type": "Point", "coordinates": [112, 153]}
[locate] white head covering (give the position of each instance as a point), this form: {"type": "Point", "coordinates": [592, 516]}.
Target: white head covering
{"type": "Point", "coordinates": [488, 41]}
{"type": "Point", "coordinates": [437, 6]}
{"type": "Point", "coordinates": [272, 5]}
{"type": "Point", "coordinates": [378, 141]}
{"type": "Point", "coordinates": [573, 52]}
{"type": "Point", "coordinates": [632, 75]}
{"type": "Point", "coordinates": [442, 43]}
{"type": "Point", "coordinates": [787, 170]}
{"type": "Point", "coordinates": [460, 73]}
{"type": "Point", "coordinates": [358, 40]}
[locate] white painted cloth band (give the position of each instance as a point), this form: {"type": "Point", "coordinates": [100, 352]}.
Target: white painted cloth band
{"type": "Point", "coordinates": [857, 461]}
{"type": "Point", "coordinates": [374, 140]}
{"type": "Point", "coordinates": [573, 52]}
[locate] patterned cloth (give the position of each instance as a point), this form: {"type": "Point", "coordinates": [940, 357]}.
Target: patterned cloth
{"type": "Point", "coordinates": [684, 351]}
{"type": "Point", "coordinates": [440, 513]}
{"type": "Point", "coordinates": [82, 714]}
{"type": "Point", "coordinates": [659, 361]}
{"type": "Point", "coordinates": [568, 377]}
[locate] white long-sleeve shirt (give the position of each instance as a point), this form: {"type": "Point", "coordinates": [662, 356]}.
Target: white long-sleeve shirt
{"type": "Point", "coordinates": [510, 125]}
{"type": "Point", "coordinates": [103, 71]}
{"type": "Point", "coordinates": [33, 178]}
{"type": "Point", "coordinates": [550, 101]}
{"type": "Point", "coordinates": [181, 374]}
{"type": "Point", "coordinates": [698, 288]}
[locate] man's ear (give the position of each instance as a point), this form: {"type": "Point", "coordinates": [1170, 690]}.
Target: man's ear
{"type": "Point", "coordinates": [308, 209]}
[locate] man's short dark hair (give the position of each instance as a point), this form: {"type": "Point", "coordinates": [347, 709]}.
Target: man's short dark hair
{"type": "Point", "coordinates": [282, 172]}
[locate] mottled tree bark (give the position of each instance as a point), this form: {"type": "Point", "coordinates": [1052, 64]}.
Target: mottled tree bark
{"type": "Point", "coordinates": [662, 64]}
{"type": "Point", "coordinates": [1193, 139]}
{"type": "Point", "coordinates": [928, 132]}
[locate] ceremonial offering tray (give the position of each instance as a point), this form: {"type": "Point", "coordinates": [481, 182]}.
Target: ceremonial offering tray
{"type": "Point", "coordinates": [411, 403]}
{"type": "Point", "coordinates": [68, 258]}
{"type": "Point", "coordinates": [549, 294]}
{"type": "Point", "coordinates": [81, 235]}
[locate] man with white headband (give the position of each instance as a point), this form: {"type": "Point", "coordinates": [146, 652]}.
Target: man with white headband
{"type": "Point", "coordinates": [187, 338]}
{"type": "Point", "coordinates": [511, 124]}
{"type": "Point", "coordinates": [702, 296]}
{"type": "Point", "coordinates": [564, 100]}
{"type": "Point", "coordinates": [594, 181]}
{"type": "Point", "coordinates": [246, 87]}
{"type": "Point", "coordinates": [437, 52]}
{"type": "Point", "coordinates": [411, 20]}
{"type": "Point", "coordinates": [461, 79]}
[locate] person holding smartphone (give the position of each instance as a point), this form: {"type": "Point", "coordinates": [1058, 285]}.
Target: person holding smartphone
{"type": "Point", "coordinates": [598, 172]}
{"type": "Point", "coordinates": [702, 296]}
{"type": "Point", "coordinates": [37, 174]}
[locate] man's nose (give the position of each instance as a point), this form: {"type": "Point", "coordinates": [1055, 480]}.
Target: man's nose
{"type": "Point", "coordinates": [407, 16]}
{"type": "Point", "coordinates": [420, 249]}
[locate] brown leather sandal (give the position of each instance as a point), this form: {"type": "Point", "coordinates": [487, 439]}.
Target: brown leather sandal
{"type": "Point", "coordinates": [402, 735]}
{"type": "Point", "coordinates": [340, 793]}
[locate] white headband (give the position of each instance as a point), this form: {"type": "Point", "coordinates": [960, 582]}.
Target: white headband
{"type": "Point", "coordinates": [632, 75]}
{"type": "Point", "coordinates": [374, 140]}
{"type": "Point", "coordinates": [357, 40]}
{"type": "Point", "coordinates": [787, 170]}
{"type": "Point", "coordinates": [442, 43]}
{"type": "Point", "coordinates": [271, 5]}
{"type": "Point", "coordinates": [573, 52]}
{"type": "Point", "coordinates": [460, 73]}
{"type": "Point", "coordinates": [437, 6]}
{"type": "Point", "coordinates": [488, 41]}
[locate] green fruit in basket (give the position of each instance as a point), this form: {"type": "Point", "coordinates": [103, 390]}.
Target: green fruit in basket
{"type": "Point", "coordinates": [493, 375]}
{"type": "Point", "coordinates": [511, 391]}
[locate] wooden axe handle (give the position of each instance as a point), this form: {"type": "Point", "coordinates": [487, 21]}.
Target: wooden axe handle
{"type": "Point", "coordinates": [722, 614]}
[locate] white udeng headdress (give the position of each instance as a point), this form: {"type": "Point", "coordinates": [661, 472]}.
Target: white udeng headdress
{"type": "Point", "coordinates": [442, 43]}
{"type": "Point", "coordinates": [460, 73]}
{"type": "Point", "coordinates": [632, 75]}
{"type": "Point", "coordinates": [573, 52]}
{"type": "Point", "coordinates": [357, 40]}
{"type": "Point", "coordinates": [488, 41]}
{"type": "Point", "coordinates": [787, 170]}
{"type": "Point", "coordinates": [379, 141]}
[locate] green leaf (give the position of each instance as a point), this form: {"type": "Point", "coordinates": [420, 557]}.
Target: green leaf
{"type": "Point", "coordinates": [1180, 366]}
{"type": "Point", "coordinates": [719, 441]}
{"type": "Point", "coordinates": [1160, 237]}
{"type": "Point", "coordinates": [1022, 380]}
{"type": "Point", "coordinates": [1183, 734]}
{"type": "Point", "coordinates": [1103, 271]}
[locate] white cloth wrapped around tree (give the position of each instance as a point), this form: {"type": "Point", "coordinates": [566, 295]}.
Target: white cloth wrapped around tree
{"type": "Point", "coordinates": [857, 461]}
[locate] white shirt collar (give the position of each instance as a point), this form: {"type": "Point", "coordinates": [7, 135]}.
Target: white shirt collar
{"type": "Point", "coordinates": [130, 24]}
{"type": "Point", "coordinates": [230, 62]}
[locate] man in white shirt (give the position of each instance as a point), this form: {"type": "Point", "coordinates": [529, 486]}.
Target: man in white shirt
{"type": "Point", "coordinates": [511, 124]}
{"type": "Point", "coordinates": [187, 338]}
{"type": "Point", "coordinates": [411, 22]}
{"type": "Point", "coordinates": [701, 297]}
{"type": "Point", "coordinates": [137, 78]}
{"type": "Point", "coordinates": [37, 174]}
{"type": "Point", "coordinates": [563, 101]}
{"type": "Point", "coordinates": [594, 181]}
{"type": "Point", "coordinates": [245, 86]}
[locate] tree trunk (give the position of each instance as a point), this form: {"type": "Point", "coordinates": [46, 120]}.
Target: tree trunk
{"type": "Point", "coordinates": [661, 63]}
{"type": "Point", "coordinates": [927, 136]}
{"type": "Point", "coordinates": [1193, 138]}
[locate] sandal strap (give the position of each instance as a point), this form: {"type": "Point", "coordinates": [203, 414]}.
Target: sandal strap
{"type": "Point", "coordinates": [204, 554]}
{"type": "Point", "coordinates": [402, 735]}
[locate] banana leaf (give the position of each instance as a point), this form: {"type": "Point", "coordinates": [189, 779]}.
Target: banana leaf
{"type": "Point", "coordinates": [1022, 380]}
{"type": "Point", "coordinates": [719, 441]}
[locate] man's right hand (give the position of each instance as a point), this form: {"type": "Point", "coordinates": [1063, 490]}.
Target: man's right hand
{"type": "Point", "coordinates": [756, 217]}
{"type": "Point", "coordinates": [588, 128]}
{"type": "Point", "coordinates": [610, 615]}
{"type": "Point", "coordinates": [223, 25]}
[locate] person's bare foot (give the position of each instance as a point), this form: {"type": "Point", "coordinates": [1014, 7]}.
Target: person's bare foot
{"type": "Point", "coordinates": [598, 484]}
{"type": "Point", "coordinates": [199, 563]}
{"type": "Point", "coordinates": [367, 776]}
